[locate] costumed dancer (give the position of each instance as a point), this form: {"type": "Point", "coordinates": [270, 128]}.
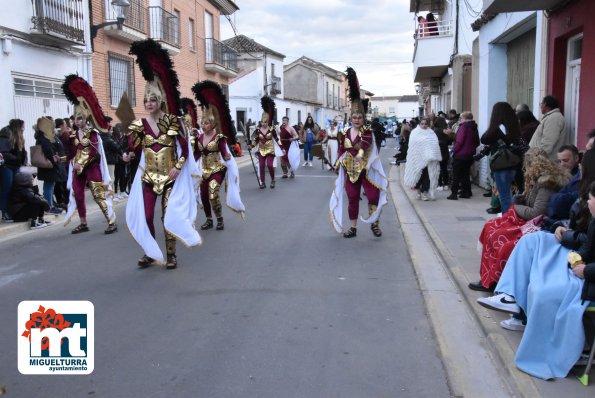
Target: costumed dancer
{"type": "Point", "coordinates": [267, 140]}
{"type": "Point", "coordinates": [164, 168]}
{"type": "Point", "coordinates": [288, 137]}
{"type": "Point", "coordinates": [360, 167]}
{"type": "Point", "coordinates": [86, 158]}
{"type": "Point", "coordinates": [190, 116]}
{"type": "Point", "coordinates": [212, 152]}
{"type": "Point", "coordinates": [332, 145]}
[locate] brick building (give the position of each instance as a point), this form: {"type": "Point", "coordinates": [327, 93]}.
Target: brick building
{"type": "Point", "coordinates": [187, 29]}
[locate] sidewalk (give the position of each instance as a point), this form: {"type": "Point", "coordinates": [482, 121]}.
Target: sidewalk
{"type": "Point", "coordinates": [453, 228]}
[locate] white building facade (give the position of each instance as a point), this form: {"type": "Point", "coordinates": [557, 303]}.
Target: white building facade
{"type": "Point", "coordinates": [42, 41]}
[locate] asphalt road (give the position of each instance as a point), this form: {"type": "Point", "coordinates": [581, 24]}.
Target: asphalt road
{"type": "Point", "coordinates": [276, 305]}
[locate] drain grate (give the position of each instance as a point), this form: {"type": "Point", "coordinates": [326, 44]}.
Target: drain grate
{"type": "Point", "coordinates": [473, 218]}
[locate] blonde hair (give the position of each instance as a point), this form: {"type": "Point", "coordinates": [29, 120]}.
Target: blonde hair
{"type": "Point", "coordinates": [537, 164]}
{"type": "Point", "coordinates": [467, 115]}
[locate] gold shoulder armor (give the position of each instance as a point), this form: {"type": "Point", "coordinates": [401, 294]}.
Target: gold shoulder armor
{"type": "Point", "coordinates": [173, 125]}
{"type": "Point", "coordinates": [136, 126]}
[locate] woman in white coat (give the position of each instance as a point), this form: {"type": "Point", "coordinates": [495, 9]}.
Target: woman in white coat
{"type": "Point", "coordinates": [423, 161]}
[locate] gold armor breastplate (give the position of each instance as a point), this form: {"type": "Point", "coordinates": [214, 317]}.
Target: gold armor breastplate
{"type": "Point", "coordinates": [353, 167]}
{"type": "Point", "coordinates": [266, 147]}
{"type": "Point", "coordinates": [158, 163]}
{"type": "Point", "coordinates": [83, 155]}
{"type": "Point", "coordinates": [211, 163]}
{"type": "Point", "coordinates": [211, 158]}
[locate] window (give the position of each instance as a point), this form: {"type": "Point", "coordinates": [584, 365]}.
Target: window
{"type": "Point", "coordinates": [273, 70]}
{"type": "Point", "coordinates": [287, 112]}
{"type": "Point", "coordinates": [328, 95]}
{"type": "Point", "coordinates": [38, 88]}
{"type": "Point", "coordinates": [176, 27]}
{"type": "Point", "coordinates": [208, 25]}
{"type": "Point", "coordinates": [121, 78]}
{"type": "Point", "coordinates": [191, 34]}
{"type": "Point", "coordinates": [299, 117]}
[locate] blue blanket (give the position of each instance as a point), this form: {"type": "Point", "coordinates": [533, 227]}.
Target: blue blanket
{"type": "Point", "coordinates": [538, 277]}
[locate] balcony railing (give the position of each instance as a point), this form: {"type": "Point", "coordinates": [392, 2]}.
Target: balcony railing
{"type": "Point", "coordinates": [220, 54]}
{"type": "Point", "coordinates": [135, 18]}
{"type": "Point", "coordinates": [428, 30]}
{"type": "Point", "coordinates": [59, 18]}
{"type": "Point", "coordinates": [164, 26]}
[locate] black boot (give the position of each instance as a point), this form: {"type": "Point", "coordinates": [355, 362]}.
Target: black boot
{"type": "Point", "coordinates": [220, 225]}
{"type": "Point", "coordinates": [145, 261]}
{"type": "Point", "coordinates": [351, 233]}
{"type": "Point", "coordinates": [207, 225]}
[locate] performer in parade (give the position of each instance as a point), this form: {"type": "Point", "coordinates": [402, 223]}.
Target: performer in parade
{"type": "Point", "coordinates": [267, 140]}
{"type": "Point", "coordinates": [359, 167]}
{"type": "Point", "coordinates": [332, 145]}
{"type": "Point", "coordinates": [164, 169]}
{"type": "Point", "coordinates": [86, 158]}
{"type": "Point", "coordinates": [211, 150]}
{"type": "Point", "coordinates": [288, 137]}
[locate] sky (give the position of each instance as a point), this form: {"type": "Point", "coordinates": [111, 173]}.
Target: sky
{"type": "Point", "coordinates": [373, 37]}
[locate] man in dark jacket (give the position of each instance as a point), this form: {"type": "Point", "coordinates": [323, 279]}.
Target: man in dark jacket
{"type": "Point", "coordinates": [559, 204]}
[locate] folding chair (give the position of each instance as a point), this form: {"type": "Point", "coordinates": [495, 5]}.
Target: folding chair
{"type": "Point", "coordinates": [590, 323]}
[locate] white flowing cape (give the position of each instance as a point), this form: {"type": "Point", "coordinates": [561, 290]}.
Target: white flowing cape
{"type": "Point", "coordinates": [232, 176]}
{"type": "Point", "coordinates": [294, 156]}
{"type": "Point", "coordinates": [107, 182]}
{"type": "Point", "coordinates": [375, 175]}
{"type": "Point", "coordinates": [423, 148]}
{"type": "Point", "coordinates": [180, 213]}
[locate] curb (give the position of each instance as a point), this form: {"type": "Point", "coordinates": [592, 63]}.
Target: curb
{"type": "Point", "coordinates": [500, 349]}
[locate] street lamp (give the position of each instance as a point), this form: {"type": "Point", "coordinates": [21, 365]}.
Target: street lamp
{"type": "Point", "coordinates": [121, 8]}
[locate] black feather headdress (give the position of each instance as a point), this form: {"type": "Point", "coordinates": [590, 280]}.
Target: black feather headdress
{"type": "Point", "coordinates": [189, 108]}
{"type": "Point", "coordinates": [81, 95]}
{"type": "Point", "coordinates": [157, 68]}
{"type": "Point", "coordinates": [357, 105]}
{"type": "Point", "coordinates": [268, 107]}
{"type": "Point", "coordinates": [211, 98]}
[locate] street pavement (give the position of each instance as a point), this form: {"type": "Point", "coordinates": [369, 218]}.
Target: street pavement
{"type": "Point", "coordinates": [276, 305]}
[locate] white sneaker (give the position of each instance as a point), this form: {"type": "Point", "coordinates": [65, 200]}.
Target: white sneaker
{"type": "Point", "coordinates": [310, 163]}
{"type": "Point", "coordinates": [424, 197]}
{"type": "Point", "coordinates": [500, 302]}
{"type": "Point", "coordinates": [432, 196]}
{"type": "Point", "coordinates": [513, 324]}
{"type": "Point", "coordinates": [123, 195]}
{"type": "Point", "coordinates": [305, 164]}
{"type": "Point", "coordinates": [418, 195]}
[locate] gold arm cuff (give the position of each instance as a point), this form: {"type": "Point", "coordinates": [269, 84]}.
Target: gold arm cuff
{"type": "Point", "coordinates": [180, 163]}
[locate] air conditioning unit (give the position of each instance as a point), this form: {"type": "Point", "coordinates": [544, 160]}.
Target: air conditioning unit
{"type": "Point", "coordinates": [435, 85]}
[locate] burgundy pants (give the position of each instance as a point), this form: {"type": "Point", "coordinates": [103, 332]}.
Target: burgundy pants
{"type": "Point", "coordinates": [269, 163]}
{"type": "Point", "coordinates": [91, 173]}
{"type": "Point", "coordinates": [204, 191]}
{"type": "Point", "coordinates": [352, 189]}
{"type": "Point", "coordinates": [150, 198]}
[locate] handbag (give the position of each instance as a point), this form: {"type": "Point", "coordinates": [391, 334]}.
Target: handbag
{"type": "Point", "coordinates": [504, 158]}
{"type": "Point", "coordinates": [38, 159]}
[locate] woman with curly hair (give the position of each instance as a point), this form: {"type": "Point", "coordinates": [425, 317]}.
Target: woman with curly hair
{"type": "Point", "coordinates": [543, 178]}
